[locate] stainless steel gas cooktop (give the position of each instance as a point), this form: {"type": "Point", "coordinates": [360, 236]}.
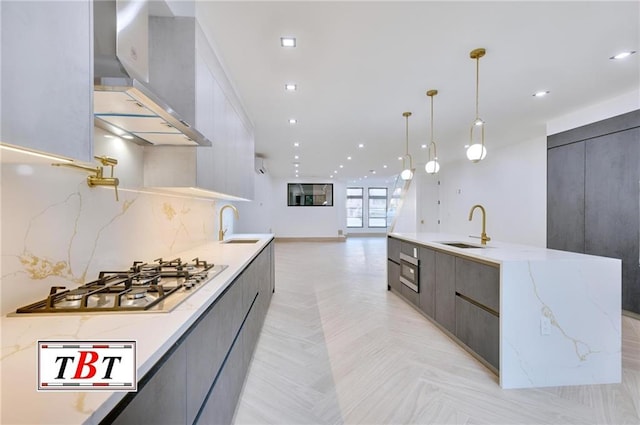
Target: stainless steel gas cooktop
{"type": "Point", "coordinates": [159, 286]}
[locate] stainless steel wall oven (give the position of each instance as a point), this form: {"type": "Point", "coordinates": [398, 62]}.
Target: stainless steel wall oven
{"type": "Point", "coordinates": [410, 272]}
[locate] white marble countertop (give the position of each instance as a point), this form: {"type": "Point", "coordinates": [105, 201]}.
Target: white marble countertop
{"type": "Point", "coordinates": [494, 251]}
{"type": "Point", "coordinates": [154, 333]}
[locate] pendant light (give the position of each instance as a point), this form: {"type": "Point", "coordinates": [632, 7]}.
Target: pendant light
{"type": "Point", "coordinates": [407, 172]}
{"type": "Point", "coordinates": [432, 166]}
{"type": "Point", "coordinates": [477, 151]}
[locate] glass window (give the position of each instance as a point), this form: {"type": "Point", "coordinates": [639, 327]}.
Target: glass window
{"type": "Point", "coordinates": [377, 207]}
{"type": "Point", "coordinates": [354, 206]}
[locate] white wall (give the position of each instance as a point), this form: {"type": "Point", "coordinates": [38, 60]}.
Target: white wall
{"type": "Point", "coordinates": [616, 106]}
{"type": "Point", "coordinates": [510, 183]}
{"type": "Point", "coordinates": [257, 216]}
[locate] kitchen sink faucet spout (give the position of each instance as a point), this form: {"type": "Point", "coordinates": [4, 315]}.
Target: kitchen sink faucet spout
{"type": "Point", "coordinates": [222, 231]}
{"type": "Point", "coordinates": [483, 237]}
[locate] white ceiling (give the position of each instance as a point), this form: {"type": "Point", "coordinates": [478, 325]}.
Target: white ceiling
{"type": "Point", "coordinates": [359, 65]}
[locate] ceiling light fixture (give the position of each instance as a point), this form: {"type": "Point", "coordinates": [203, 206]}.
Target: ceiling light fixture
{"type": "Point", "coordinates": [296, 144]}
{"type": "Point", "coordinates": [541, 93]}
{"type": "Point", "coordinates": [341, 166]}
{"type": "Point", "coordinates": [361, 145]}
{"type": "Point", "coordinates": [349, 158]}
{"type": "Point", "coordinates": [296, 156]}
{"type": "Point", "coordinates": [290, 87]}
{"type": "Point", "coordinates": [477, 151]}
{"type": "Point", "coordinates": [288, 41]}
{"type": "Point", "coordinates": [292, 121]}
{"type": "Point", "coordinates": [432, 166]}
{"type": "Point", "coordinates": [622, 55]}
{"type": "Point", "coordinates": [407, 172]}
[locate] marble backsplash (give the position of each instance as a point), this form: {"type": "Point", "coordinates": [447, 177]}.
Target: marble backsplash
{"type": "Point", "coordinates": [57, 231]}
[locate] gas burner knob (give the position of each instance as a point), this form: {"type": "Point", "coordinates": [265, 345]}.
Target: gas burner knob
{"type": "Point", "coordinates": [189, 283]}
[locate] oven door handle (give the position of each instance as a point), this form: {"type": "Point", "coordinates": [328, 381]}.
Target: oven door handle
{"type": "Point", "coordinates": [408, 283]}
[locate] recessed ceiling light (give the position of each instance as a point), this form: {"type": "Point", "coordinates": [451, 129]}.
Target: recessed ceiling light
{"type": "Point", "coordinates": [399, 158]}
{"type": "Point", "coordinates": [423, 146]}
{"type": "Point", "coordinates": [288, 41]}
{"type": "Point", "coordinates": [622, 55]}
{"type": "Point", "coordinates": [335, 171]}
{"type": "Point", "coordinates": [292, 120]}
{"type": "Point", "coordinates": [341, 166]}
{"type": "Point", "coordinates": [384, 166]}
{"type": "Point", "coordinates": [361, 145]}
{"type": "Point", "coordinates": [365, 177]}
{"type": "Point", "coordinates": [296, 165]}
{"type": "Point", "coordinates": [331, 177]}
{"type": "Point", "coordinates": [296, 157]}
{"type": "Point", "coordinates": [373, 171]}
{"type": "Point", "coordinates": [541, 93]}
{"type": "Point", "coordinates": [127, 136]}
{"type": "Point", "coordinates": [296, 144]}
{"type": "Point", "coordinates": [290, 87]}
{"type": "Point", "coordinates": [349, 158]}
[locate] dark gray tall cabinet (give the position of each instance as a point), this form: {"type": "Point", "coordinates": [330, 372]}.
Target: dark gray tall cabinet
{"type": "Point", "coordinates": [593, 195]}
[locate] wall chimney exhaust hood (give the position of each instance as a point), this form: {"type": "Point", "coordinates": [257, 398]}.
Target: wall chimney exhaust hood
{"type": "Point", "coordinates": [124, 103]}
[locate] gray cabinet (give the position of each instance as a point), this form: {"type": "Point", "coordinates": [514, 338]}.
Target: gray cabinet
{"type": "Point", "coordinates": [162, 399]}
{"type": "Point", "coordinates": [393, 249]}
{"type": "Point", "coordinates": [209, 342]}
{"type": "Point", "coordinates": [477, 306]}
{"type": "Point", "coordinates": [593, 195]}
{"type": "Point", "coordinates": [393, 275]}
{"type": "Point", "coordinates": [565, 198]}
{"type": "Point", "coordinates": [427, 281]}
{"type": "Point", "coordinates": [47, 76]}
{"type": "Point", "coordinates": [445, 304]}
{"type": "Point", "coordinates": [479, 330]}
{"type": "Point", "coordinates": [612, 207]}
{"type": "Point", "coordinates": [479, 282]}
{"type": "Point", "coordinates": [180, 52]}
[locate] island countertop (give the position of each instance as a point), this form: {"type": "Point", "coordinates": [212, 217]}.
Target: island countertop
{"type": "Point", "coordinates": [494, 251]}
{"type": "Point", "coordinates": [579, 295]}
{"type": "Point", "coordinates": [155, 333]}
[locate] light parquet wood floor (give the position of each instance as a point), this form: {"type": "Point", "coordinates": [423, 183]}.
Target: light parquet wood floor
{"type": "Point", "coordinates": [337, 347]}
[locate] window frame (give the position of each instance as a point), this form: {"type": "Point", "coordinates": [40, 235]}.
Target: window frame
{"type": "Point", "coordinates": [361, 198]}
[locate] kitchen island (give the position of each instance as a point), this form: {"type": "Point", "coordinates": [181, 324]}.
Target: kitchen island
{"type": "Point", "coordinates": [538, 317]}
{"type": "Point", "coordinates": [177, 339]}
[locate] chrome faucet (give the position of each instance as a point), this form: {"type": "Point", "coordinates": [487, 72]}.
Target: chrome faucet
{"type": "Point", "coordinates": [483, 237]}
{"type": "Point", "coordinates": [220, 231]}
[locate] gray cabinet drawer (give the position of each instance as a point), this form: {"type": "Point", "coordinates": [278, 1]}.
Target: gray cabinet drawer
{"type": "Point", "coordinates": [393, 249]}
{"type": "Point", "coordinates": [480, 282]}
{"type": "Point", "coordinates": [479, 330]}
{"type": "Point", "coordinates": [410, 249]}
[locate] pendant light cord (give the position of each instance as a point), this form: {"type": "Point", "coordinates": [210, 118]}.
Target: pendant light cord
{"type": "Point", "coordinates": [477, 85]}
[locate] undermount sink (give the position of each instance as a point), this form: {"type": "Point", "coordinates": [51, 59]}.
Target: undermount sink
{"type": "Point", "coordinates": [461, 245]}
{"type": "Point", "coordinates": [241, 241]}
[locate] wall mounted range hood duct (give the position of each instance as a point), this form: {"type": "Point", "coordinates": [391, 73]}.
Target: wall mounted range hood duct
{"type": "Point", "coordinates": [123, 102]}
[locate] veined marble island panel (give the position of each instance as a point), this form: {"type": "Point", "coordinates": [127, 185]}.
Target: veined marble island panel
{"type": "Point", "coordinates": [560, 312]}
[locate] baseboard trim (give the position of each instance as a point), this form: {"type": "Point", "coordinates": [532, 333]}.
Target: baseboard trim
{"type": "Point", "coordinates": [316, 239]}
{"type": "Point", "coordinates": [367, 235]}
{"type": "Point", "coordinates": [631, 314]}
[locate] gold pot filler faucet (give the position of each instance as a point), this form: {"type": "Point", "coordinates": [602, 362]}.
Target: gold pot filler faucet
{"type": "Point", "coordinates": [483, 237]}
{"type": "Point", "coordinates": [98, 178]}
